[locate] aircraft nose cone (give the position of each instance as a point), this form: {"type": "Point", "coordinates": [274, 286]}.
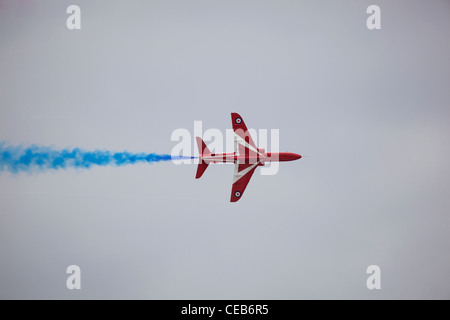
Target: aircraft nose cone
{"type": "Point", "coordinates": [288, 156]}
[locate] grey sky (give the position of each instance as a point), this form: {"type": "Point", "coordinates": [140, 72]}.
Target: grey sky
{"type": "Point", "coordinates": [370, 108]}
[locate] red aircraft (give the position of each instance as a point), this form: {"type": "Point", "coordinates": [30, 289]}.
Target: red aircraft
{"type": "Point", "coordinates": [246, 158]}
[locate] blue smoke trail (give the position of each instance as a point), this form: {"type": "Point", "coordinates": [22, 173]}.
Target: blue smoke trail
{"type": "Point", "coordinates": [37, 158]}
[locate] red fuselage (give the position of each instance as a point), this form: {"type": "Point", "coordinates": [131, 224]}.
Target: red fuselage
{"type": "Point", "coordinates": [265, 157]}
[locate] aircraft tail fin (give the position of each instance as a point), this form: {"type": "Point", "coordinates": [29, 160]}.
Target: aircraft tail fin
{"type": "Point", "coordinates": [202, 165]}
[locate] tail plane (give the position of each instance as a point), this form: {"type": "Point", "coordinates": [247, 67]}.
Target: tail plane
{"type": "Point", "coordinates": [202, 165]}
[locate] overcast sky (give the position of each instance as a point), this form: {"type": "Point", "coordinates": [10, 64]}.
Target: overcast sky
{"type": "Point", "coordinates": [371, 109]}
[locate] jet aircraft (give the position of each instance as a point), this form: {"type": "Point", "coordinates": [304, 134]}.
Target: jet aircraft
{"type": "Point", "coordinates": [246, 157]}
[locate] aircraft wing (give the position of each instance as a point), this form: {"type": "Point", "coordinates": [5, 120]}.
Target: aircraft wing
{"type": "Point", "coordinates": [243, 140]}
{"type": "Point", "coordinates": [242, 175]}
